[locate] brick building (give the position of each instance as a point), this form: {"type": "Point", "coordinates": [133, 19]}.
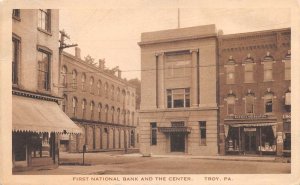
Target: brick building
{"type": "Point", "coordinates": [178, 110]}
{"type": "Point", "coordinates": [100, 102]}
{"type": "Point", "coordinates": [254, 92]}
{"type": "Point", "coordinates": [37, 120]}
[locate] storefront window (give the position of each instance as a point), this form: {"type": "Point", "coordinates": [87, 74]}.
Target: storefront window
{"type": "Point", "coordinates": [40, 145]}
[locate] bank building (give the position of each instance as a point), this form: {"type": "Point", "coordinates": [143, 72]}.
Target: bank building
{"type": "Point", "coordinates": [178, 111]}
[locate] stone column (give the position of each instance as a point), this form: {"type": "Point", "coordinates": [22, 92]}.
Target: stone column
{"type": "Point", "coordinates": [160, 81]}
{"type": "Point", "coordinates": [194, 79]}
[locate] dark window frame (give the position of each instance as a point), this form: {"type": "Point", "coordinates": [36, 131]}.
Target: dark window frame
{"type": "Point", "coordinates": [44, 71]}
{"type": "Point", "coordinates": [15, 60]}
{"type": "Point", "coordinates": [44, 20]}
{"type": "Point", "coordinates": [202, 132]}
{"type": "Point", "coordinates": [153, 134]}
{"type": "Point", "coordinates": [16, 14]}
{"type": "Point", "coordinates": [182, 103]}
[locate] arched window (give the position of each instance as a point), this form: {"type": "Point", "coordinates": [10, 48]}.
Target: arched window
{"type": "Point", "coordinates": [123, 96]}
{"type": "Point", "coordinates": [65, 103]}
{"type": "Point", "coordinates": [118, 115]}
{"type": "Point", "coordinates": [106, 89]}
{"type": "Point", "coordinates": [124, 116]}
{"type": "Point", "coordinates": [118, 94]}
{"type": "Point", "coordinates": [83, 108]}
{"type": "Point", "coordinates": [92, 105]}
{"type": "Point", "coordinates": [74, 79]}
{"type": "Point", "coordinates": [112, 92]}
{"type": "Point", "coordinates": [99, 86]}
{"type": "Point", "coordinates": [83, 79]}
{"type": "Point", "coordinates": [128, 97]}
{"type": "Point", "coordinates": [106, 113]}
{"type": "Point", "coordinates": [128, 117]}
{"type": "Point", "coordinates": [132, 118]}
{"type": "Point", "coordinates": [91, 84]}
{"type": "Point", "coordinates": [99, 111]}
{"type": "Point", "coordinates": [64, 76]}
{"type": "Point", "coordinates": [112, 114]}
{"type": "Point", "coordinates": [74, 103]}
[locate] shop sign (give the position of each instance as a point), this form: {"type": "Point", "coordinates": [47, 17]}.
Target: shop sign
{"type": "Point", "coordinates": [249, 129]}
{"type": "Point", "coordinates": [249, 116]}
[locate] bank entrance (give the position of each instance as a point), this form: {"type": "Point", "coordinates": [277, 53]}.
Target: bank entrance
{"type": "Point", "coordinates": [177, 142]}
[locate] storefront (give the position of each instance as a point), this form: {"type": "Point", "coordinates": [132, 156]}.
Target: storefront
{"type": "Point", "coordinates": [254, 135]}
{"type": "Point", "coordinates": [37, 124]}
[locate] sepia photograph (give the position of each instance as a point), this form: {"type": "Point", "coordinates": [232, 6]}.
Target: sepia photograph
{"type": "Point", "coordinates": [149, 93]}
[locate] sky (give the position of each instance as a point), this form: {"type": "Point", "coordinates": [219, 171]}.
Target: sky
{"type": "Point", "coordinates": [113, 33]}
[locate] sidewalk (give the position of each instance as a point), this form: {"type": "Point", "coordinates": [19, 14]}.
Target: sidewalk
{"type": "Point", "coordinates": [217, 157]}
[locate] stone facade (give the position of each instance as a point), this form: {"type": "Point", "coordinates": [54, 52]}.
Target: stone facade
{"type": "Point", "coordinates": [100, 102]}
{"type": "Point", "coordinates": [254, 92]}
{"type": "Point", "coordinates": [178, 91]}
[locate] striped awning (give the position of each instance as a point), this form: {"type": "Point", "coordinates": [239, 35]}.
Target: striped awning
{"type": "Point", "coordinates": [34, 115]}
{"type": "Point", "coordinates": [174, 129]}
{"type": "Point", "coordinates": [251, 124]}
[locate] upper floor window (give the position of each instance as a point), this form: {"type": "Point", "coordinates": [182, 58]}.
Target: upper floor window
{"type": "Point", "coordinates": [118, 115]}
{"type": "Point", "coordinates": [64, 76]}
{"type": "Point", "coordinates": [99, 85]}
{"type": "Point", "coordinates": [178, 98]}
{"type": "Point", "coordinates": [230, 104]}
{"type": "Point", "coordinates": [128, 97]}
{"type": "Point", "coordinates": [178, 68]}
{"type": "Point", "coordinates": [44, 19]}
{"type": "Point", "coordinates": [92, 105]}
{"type": "Point", "coordinates": [99, 111]}
{"type": "Point", "coordinates": [16, 14]}
{"type": "Point", "coordinates": [106, 113]}
{"type": "Point", "coordinates": [249, 101]}
{"type": "Point", "coordinates": [268, 103]}
{"type": "Point", "coordinates": [112, 92]}
{"type": "Point", "coordinates": [43, 70]}
{"type": "Point", "coordinates": [287, 101]}
{"type": "Point", "coordinates": [74, 102]}
{"type": "Point", "coordinates": [106, 89]}
{"type": "Point", "coordinates": [118, 94]}
{"type": "Point", "coordinates": [74, 79]}
{"type": "Point", "coordinates": [268, 67]}
{"type": "Point", "coordinates": [83, 79]}
{"type": "Point", "coordinates": [230, 71]}
{"type": "Point", "coordinates": [249, 78]}
{"type": "Point", "coordinates": [83, 108]}
{"type": "Point", "coordinates": [65, 103]}
{"type": "Point", "coordinates": [15, 60]}
{"type": "Point", "coordinates": [287, 66]}
{"type": "Point", "coordinates": [91, 84]}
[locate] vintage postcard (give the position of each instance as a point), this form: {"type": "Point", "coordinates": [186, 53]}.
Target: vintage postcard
{"type": "Point", "coordinates": [149, 92]}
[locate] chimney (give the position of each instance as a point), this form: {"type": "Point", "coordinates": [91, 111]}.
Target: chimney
{"type": "Point", "coordinates": [77, 52]}
{"type": "Point", "coordinates": [102, 64]}
{"type": "Point", "coordinates": [119, 73]}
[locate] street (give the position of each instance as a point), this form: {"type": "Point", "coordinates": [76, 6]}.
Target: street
{"type": "Point", "coordinates": [107, 163]}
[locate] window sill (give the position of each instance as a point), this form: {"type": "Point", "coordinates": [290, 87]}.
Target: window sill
{"type": "Point", "coordinates": [268, 80]}
{"type": "Point", "coordinates": [249, 82]}
{"type": "Point", "coordinates": [16, 18]}
{"type": "Point", "coordinates": [45, 31]}
{"type": "Point", "coordinates": [48, 92]}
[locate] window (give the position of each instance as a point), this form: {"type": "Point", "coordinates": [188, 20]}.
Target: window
{"type": "Point", "coordinates": [99, 112]}
{"type": "Point", "coordinates": [118, 115]}
{"type": "Point", "coordinates": [15, 60]}
{"type": "Point", "coordinates": [230, 77]}
{"type": "Point", "coordinates": [230, 105]}
{"type": "Point", "coordinates": [74, 79]}
{"type": "Point", "coordinates": [44, 19]}
{"type": "Point", "coordinates": [288, 101]}
{"type": "Point", "coordinates": [118, 94]}
{"type": "Point", "coordinates": [128, 97]}
{"type": "Point", "coordinates": [83, 79]}
{"type": "Point", "coordinates": [113, 114]}
{"type": "Point", "coordinates": [43, 70]}
{"type": "Point", "coordinates": [202, 127]}
{"type": "Point", "coordinates": [268, 103]}
{"type": "Point", "coordinates": [106, 113]}
{"type": "Point", "coordinates": [74, 102]}
{"type": "Point", "coordinates": [91, 84]}
{"type": "Point", "coordinates": [83, 108]}
{"type": "Point", "coordinates": [268, 71]}
{"type": "Point", "coordinates": [92, 105]}
{"type": "Point", "coordinates": [99, 86]}
{"type": "Point", "coordinates": [249, 73]}
{"type": "Point", "coordinates": [178, 68]}
{"type": "Point", "coordinates": [112, 92]}
{"type": "Point", "coordinates": [65, 103]}
{"type": "Point", "coordinates": [178, 98]}
{"type": "Point", "coordinates": [133, 99]}
{"type": "Point", "coordinates": [153, 140]}
{"type": "Point", "coordinates": [249, 104]}
{"type": "Point", "coordinates": [64, 76]}
{"type": "Point", "coordinates": [132, 117]}
{"type": "Point", "coordinates": [106, 89]}
{"type": "Point", "coordinates": [16, 14]}
{"type": "Point", "coordinates": [287, 70]}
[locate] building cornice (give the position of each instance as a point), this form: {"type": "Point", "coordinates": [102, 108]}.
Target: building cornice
{"type": "Point", "coordinates": [100, 123]}
{"type": "Point", "coordinates": [34, 95]}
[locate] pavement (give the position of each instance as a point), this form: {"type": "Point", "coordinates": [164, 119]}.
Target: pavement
{"type": "Point", "coordinates": [108, 163]}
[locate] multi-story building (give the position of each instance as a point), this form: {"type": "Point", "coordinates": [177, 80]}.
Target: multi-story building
{"type": "Point", "coordinates": [178, 110]}
{"type": "Point", "coordinates": [100, 102]}
{"type": "Point", "coordinates": [37, 120]}
{"type": "Point", "coordinates": [254, 92]}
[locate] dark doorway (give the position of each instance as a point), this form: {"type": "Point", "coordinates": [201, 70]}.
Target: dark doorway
{"type": "Point", "coordinates": [177, 142]}
{"type": "Point", "coordinates": [250, 142]}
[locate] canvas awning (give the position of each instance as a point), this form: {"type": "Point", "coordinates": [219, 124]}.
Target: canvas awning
{"type": "Point", "coordinates": [34, 115]}
{"type": "Point", "coordinates": [174, 129]}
